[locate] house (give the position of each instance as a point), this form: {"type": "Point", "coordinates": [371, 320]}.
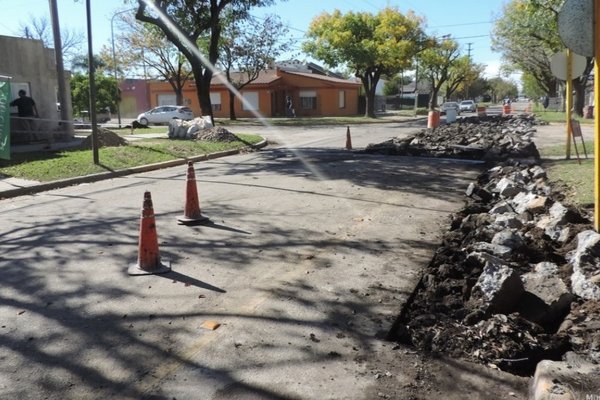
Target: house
{"type": "Point", "coordinates": [311, 94]}
{"type": "Point", "coordinates": [32, 67]}
{"type": "Point", "coordinates": [134, 97]}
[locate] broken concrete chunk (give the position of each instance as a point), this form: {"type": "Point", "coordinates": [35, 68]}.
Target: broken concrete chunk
{"type": "Point", "coordinates": [501, 207]}
{"type": "Point", "coordinates": [495, 249]}
{"type": "Point", "coordinates": [508, 220]}
{"type": "Point", "coordinates": [537, 205]}
{"type": "Point", "coordinates": [508, 238]}
{"type": "Point", "coordinates": [537, 172]}
{"type": "Point", "coordinates": [499, 287]}
{"type": "Point", "coordinates": [564, 380]}
{"type": "Point", "coordinates": [547, 299]}
{"type": "Point", "coordinates": [507, 188]}
{"type": "Point", "coordinates": [521, 201]}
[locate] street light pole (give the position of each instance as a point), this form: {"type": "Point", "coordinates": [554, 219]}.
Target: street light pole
{"type": "Point", "coordinates": [114, 56]}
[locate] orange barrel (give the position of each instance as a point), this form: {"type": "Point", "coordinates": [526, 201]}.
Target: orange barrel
{"type": "Point", "coordinates": [433, 119]}
{"type": "Point", "coordinates": [481, 111]}
{"type": "Point", "coordinates": [506, 109]}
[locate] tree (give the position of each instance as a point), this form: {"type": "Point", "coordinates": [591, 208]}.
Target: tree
{"type": "Point", "coordinates": [145, 45]}
{"type": "Point", "coordinates": [248, 47]}
{"type": "Point", "coordinates": [41, 29]}
{"type": "Point", "coordinates": [461, 75]}
{"type": "Point", "coordinates": [501, 88]}
{"type": "Point", "coordinates": [435, 64]}
{"type": "Point", "coordinates": [527, 36]}
{"type": "Point", "coordinates": [106, 87]}
{"type": "Point", "coordinates": [183, 22]}
{"type": "Point", "coordinates": [392, 86]}
{"type": "Point", "coordinates": [370, 45]}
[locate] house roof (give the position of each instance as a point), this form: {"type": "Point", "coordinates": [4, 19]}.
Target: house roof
{"type": "Point", "coordinates": [323, 78]}
{"type": "Point", "coordinates": [264, 77]}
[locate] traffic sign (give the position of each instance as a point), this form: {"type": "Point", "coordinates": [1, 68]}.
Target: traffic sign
{"type": "Point", "coordinates": [576, 26]}
{"type": "Point", "coordinates": [558, 65]}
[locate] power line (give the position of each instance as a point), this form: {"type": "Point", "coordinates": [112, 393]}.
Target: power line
{"type": "Point", "coordinates": [465, 24]}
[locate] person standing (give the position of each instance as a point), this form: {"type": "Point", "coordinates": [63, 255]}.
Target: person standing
{"type": "Point", "coordinates": [25, 105]}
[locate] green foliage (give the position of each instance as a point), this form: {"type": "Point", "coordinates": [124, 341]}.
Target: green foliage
{"type": "Point", "coordinates": [392, 86]}
{"type": "Point", "coordinates": [527, 36]}
{"type": "Point", "coordinates": [106, 93]}
{"type": "Point", "coordinates": [435, 65]}
{"type": "Point", "coordinates": [501, 88]}
{"type": "Point", "coordinates": [370, 45]}
{"type": "Point", "coordinates": [531, 87]}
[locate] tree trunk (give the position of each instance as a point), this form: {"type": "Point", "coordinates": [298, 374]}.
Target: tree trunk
{"type": "Point", "coordinates": [579, 102]}
{"type": "Point", "coordinates": [232, 106]}
{"type": "Point", "coordinates": [203, 77]}
{"type": "Point", "coordinates": [370, 85]}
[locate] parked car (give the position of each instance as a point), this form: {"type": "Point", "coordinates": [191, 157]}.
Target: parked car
{"type": "Point", "coordinates": [468, 105]}
{"type": "Point", "coordinates": [164, 114]}
{"type": "Point", "coordinates": [450, 105]}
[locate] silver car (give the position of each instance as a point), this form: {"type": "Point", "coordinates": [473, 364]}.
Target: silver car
{"type": "Point", "coordinates": [164, 114]}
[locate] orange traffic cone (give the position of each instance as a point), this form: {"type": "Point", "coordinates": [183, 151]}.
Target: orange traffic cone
{"type": "Point", "coordinates": [149, 261]}
{"type": "Point", "coordinates": [348, 139]}
{"type": "Point", "coordinates": [191, 214]}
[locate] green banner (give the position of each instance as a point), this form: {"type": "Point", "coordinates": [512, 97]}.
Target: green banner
{"type": "Point", "coordinates": [5, 120]}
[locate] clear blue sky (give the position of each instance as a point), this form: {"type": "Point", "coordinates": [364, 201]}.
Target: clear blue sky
{"type": "Point", "coordinates": [467, 21]}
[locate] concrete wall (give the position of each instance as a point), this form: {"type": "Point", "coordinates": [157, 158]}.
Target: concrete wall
{"type": "Point", "coordinates": [33, 67]}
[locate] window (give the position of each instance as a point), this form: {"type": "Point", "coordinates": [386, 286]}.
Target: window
{"type": "Point", "coordinates": [215, 101]}
{"type": "Point", "coordinates": [342, 99]}
{"type": "Point", "coordinates": [250, 101]}
{"type": "Point", "coordinates": [308, 99]}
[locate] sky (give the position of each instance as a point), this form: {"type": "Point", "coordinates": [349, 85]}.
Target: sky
{"type": "Point", "coordinates": [469, 22]}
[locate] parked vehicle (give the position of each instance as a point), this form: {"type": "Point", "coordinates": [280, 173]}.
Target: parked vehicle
{"type": "Point", "coordinates": [164, 114]}
{"type": "Point", "coordinates": [452, 105]}
{"type": "Point", "coordinates": [468, 105]}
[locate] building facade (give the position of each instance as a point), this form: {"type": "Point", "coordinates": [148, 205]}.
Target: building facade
{"type": "Point", "coordinates": [311, 95]}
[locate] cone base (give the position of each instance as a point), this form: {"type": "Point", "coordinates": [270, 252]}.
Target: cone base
{"type": "Point", "coordinates": [162, 268]}
{"type": "Point", "coordinates": [183, 220]}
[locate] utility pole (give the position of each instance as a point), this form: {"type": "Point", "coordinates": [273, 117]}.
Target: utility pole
{"type": "Point", "coordinates": [65, 105]}
{"type": "Point", "coordinates": [469, 56]}
{"type": "Point", "coordinates": [92, 78]}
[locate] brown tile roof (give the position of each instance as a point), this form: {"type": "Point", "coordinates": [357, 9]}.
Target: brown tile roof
{"type": "Point", "coordinates": [323, 78]}
{"type": "Point", "coordinates": [264, 78]}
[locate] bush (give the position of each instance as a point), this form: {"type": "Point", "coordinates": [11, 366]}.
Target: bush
{"type": "Point", "coordinates": [422, 111]}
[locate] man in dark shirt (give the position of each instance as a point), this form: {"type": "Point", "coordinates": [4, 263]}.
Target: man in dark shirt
{"type": "Point", "coordinates": [25, 105]}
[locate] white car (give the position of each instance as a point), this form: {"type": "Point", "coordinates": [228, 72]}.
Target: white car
{"type": "Point", "coordinates": [164, 115]}
{"type": "Point", "coordinates": [468, 105]}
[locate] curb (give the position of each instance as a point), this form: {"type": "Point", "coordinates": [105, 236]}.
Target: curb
{"type": "Point", "coordinates": [45, 186]}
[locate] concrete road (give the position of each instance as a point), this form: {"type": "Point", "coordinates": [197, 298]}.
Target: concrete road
{"type": "Point", "coordinates": [311, 253]}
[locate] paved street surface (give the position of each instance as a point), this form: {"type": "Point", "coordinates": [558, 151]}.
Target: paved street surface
{"type": "Point", "coordinates": [310, 254]}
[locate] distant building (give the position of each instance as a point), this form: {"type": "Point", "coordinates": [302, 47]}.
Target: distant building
{"type": "Point", "coordinates": [33, 69]}
{"type": "Point", "coordinates": [312, 91]}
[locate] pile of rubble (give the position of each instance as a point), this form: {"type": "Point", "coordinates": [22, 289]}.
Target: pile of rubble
{"type": "Point", "coordinates": [217, 134]}
{"type": "Point", "coordinates": [515, 281]}
{"type": "Point", "coordinates": [106, 138]}
{"type": "Point", "coordinates": [493, 138]}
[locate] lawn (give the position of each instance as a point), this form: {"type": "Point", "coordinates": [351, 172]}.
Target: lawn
{"type": "Point", "coordinates": [50, 166]}
{"type": "Point", "coordinates": [578, 179]}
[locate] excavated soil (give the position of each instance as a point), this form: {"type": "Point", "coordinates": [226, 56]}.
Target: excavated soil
{"type": "Point", "coordinates": [447, 313]}
{"type": "Point", "coordinates": [106, 138]}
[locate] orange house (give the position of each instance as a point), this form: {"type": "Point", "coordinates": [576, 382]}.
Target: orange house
{"type": "Point", "coordinates": [311, 94]}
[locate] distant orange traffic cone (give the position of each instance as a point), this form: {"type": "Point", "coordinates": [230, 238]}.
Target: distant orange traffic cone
{"type": "Point", "coordinates": [192, 213]}
{"type": "Point", "coordinates": [149, 261]}
{"type": "Point", "coordinates": [348, 139]}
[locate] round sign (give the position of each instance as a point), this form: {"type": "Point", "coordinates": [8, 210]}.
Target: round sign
{"type": "Point", "coordinates": [558, 65]}
{"type": "Point", "coordinates": [576, 26]}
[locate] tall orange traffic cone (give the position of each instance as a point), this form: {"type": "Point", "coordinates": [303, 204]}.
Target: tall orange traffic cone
{"type": "Point", "coordinates": [149, 261]}
{"type": "Point", "coordinates": [192, 213]}
{"type": "Point", "coordinates": [348, 139]}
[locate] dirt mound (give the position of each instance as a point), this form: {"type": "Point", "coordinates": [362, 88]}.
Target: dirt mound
{"type": "Point", "coordinates": [106, 138]}
{"type": "Point", "coordinates": [216, 134]}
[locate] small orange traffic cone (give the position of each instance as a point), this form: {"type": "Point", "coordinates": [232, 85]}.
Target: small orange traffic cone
{"type": "Point", "coordinates": [192, 213]}
{"type": "Point", "coordinates": [149, 261]}
{"type": "Point", "coordinates": [348, 139]}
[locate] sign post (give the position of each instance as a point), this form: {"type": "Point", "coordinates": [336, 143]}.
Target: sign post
{"type": "Point", "coordinates": [596, 116]}
{"type": "Point", "coordinates": [4, 119]}
{"type": "Point", "coordinates": [569, 99]}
